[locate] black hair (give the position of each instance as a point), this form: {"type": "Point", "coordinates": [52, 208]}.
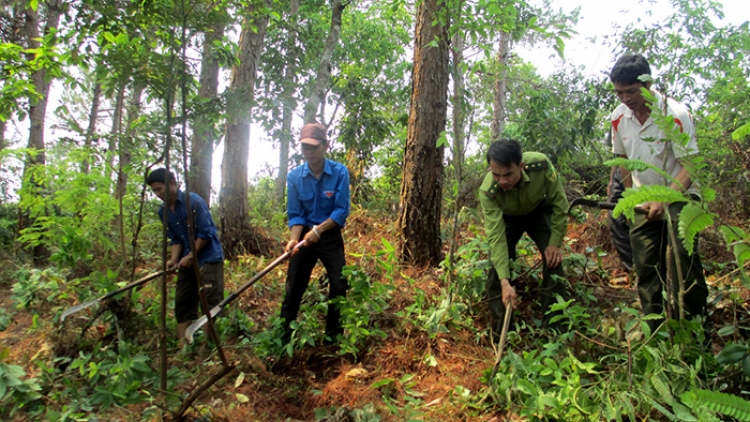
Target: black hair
{"type": "Point", "coordinates": [505, 152]}
{"type": "Point", "coordinates": [160, 175]}
{"type": "Point", "coordinates": [629, 68]}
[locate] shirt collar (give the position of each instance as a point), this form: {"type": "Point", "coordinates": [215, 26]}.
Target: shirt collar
{"type": "Point", "coordinates": [326, 169]}
{"type": "Point", "coordinates": [180, 196]}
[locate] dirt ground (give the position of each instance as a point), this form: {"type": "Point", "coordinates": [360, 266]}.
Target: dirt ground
{"type": "Point", "coordinates": [316, 377]}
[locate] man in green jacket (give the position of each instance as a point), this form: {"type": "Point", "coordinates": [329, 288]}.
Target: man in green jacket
{"type": "Point", "coordinates": [522, 193]}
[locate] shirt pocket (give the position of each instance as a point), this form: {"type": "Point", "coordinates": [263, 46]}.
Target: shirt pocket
{"type": "Point", "coordinates": [308, 200]}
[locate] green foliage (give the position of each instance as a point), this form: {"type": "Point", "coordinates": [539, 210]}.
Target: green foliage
{"type": "Point", "coordinates": [34, 287]}
{"type": "Point", "coordinates": [718, 402]}
{"type": "Point", "coordinates": [16, 389]}
{"type": "Point", "coordinates": [739, 241]}
{"type": "Point", "coordinates": [359, 310]}
{"type": "Point", "coordinates": [741, 132]}
{"type": "Point", "coordinates": [736, 353]}
{"type": "Point", "coordinates": [693, 220]}
{"type": "Point", "coordinates": [264, 211]}
{"type": "Point", "coordinates": [73, 247]}
{"type": "Point", "coordinates": [115, 378]}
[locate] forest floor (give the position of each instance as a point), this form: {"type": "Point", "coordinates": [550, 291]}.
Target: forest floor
{"type": "Point", "coordinates": [409, 386]}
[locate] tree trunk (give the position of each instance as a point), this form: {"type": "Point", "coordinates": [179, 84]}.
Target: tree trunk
{"type": "Point", "coordinates": [125, 149]}
{"type": "Point", "coordinates": [91, 130]}
{"type": "Point", "coordinates": [202, 148]}
{"type": "Point", "coordinates": [237, 236]}
{"type": "Point", "coordinates": [322, 79]}
{"type": "Point", "coordinates": [422, 184]}
{"type": "Point", "coordinates": [115, 132]}
{"type": "Point", "coordinates": [459, 124]}
{"type": "Point", "coordinates": [501, 86]}
{"type": "Point", "coordinates": [3, 142]}
{"type": "Point", "coordinates": [37, 115]}
{"type": "Point", "coordinates": [290, 104]}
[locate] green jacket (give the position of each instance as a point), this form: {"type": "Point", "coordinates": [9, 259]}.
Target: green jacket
{"type": "Point", "coordinates": [539, 180]}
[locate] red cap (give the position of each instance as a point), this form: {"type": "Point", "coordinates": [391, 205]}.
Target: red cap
{"type": "Point", "coordinates": [313, 134]}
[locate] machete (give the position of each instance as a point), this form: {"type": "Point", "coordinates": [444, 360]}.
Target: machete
{"type": "Point", "coordinates": [136, 283]}
{"type": "Point", "coordinates": [200, 322]}
{"type": "Point", "coordinates": [503, 339]}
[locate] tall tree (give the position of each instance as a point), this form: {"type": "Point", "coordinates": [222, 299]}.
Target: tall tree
{"type": "Point", "coordinates": [91, 128]}
{"type": "Point", "coordinates": [289, 101]}
{"type": "Point", "coordinates": [38, 109]}
{"type": "Point", "coordinates": [204, 137]}
{"type": "Point", "coordinates": [422, 183]}
{"type": "Point", "coordinates": [501, 85]}
{"type": "Point", "coordinates": [233, 196]}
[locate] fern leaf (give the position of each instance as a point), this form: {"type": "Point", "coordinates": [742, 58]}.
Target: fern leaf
{"type": "Point", "coordinates": [651, 193]}
{"type": "Point", "coordinates": [661, 387]}
{"type": "Point", "coordinates": [741, 132]}
{"type": "Point", "coordinates": [693, 220]}
{"type": "Point", "coordinates": [723, 403]}
{"type": "Point", "coordinates": [663, 410]}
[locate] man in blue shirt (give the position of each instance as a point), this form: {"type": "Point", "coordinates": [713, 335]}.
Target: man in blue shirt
{"type": "Point", "coordinates": [208, 249]}
{"type": "Point", "coordinates": [317, 208]}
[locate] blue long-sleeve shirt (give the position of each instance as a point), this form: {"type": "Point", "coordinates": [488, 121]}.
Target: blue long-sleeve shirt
{"type": "Point", "coordinates": [177, 229]}
{"type": "Point", "coordinates": [311, 202]}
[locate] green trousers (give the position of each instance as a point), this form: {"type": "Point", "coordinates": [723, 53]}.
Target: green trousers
{"type": "Point", "coordinates": [538, 225]}
{"type": "Point", "coordinates": [655, 268]}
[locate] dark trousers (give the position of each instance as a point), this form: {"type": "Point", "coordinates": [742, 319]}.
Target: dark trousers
{"type": "Point", "coordinates": [538, 225]}
{"type": "Point", "coordinates": [654, 268]}
{"type": "Point", "coordinates": [330, 251]}
{"type": "Point", "coordinates": [186, 298]}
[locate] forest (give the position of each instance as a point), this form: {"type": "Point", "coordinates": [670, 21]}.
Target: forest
{"type": "Point", "coordinates": [411, 94]}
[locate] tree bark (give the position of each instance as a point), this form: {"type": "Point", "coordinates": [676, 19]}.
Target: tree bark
{"type": "Point", "coordinates": [501, 86]}
{"type": "Point", "coordinates": [125, 156]}
{"type": "Point", "coordinates": [91, 130]}
{"type": "Point", "coordinates": [290, 104]}
{"type": "Point", "coordinates": [202, 146]}
{"type": "Point", "coordinates": [3, 142]}
{"type": "Point", "coordinates": [237, 235]}
{"type": "Point", "coordinates": [459, 104]}
{"type": "Point", "coordinates": [37, 115]}
{"type": "Point", "coordinates": [323, 77]}
{"type": "Point", "coordinates": [115, 132]}
{"type": "Point", "coordinates": [422, 184]}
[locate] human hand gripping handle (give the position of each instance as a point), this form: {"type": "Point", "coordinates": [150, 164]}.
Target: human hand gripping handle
{"type": "Point", "coordinates": [311, 237]}
{"type": "Point", "coordinates": [655, 210]}
{"type": "Point", "coordinates": [509, 293]}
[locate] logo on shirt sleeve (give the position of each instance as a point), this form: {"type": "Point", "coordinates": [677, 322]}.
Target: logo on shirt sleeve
{"type": "Point", "coordinates": [328, 193]}
{"type": "Point", "coordinates": [551, 174]}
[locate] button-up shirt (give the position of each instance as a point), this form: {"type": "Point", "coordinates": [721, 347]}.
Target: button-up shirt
{"type": "Point", "coordinates": [646, 142]}
{"type": "Point", "coordinates": [312, 201]}
{"type": "Point", "coordinates": [204, 228]}
{"type": "Point", "coordinates": [539, 181]}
